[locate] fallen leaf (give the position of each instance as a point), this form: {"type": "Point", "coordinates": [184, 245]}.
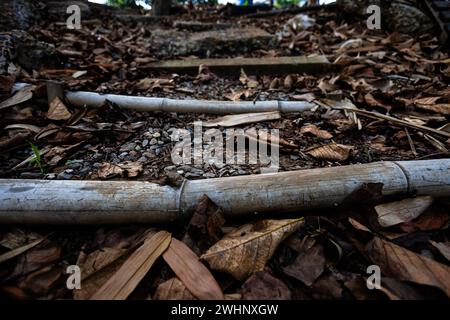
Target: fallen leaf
{"type": "Point", "coordinates": [18, 237]}
{"type": "Point", "coordinates": [245, 80]}
{"type": "Point", "coordinates": [428, 221]}
{"type": "Point", "coordinates": [108, 170]}
{"type": "Point", "coordinates": [289, 82]}
{"type": "Point", "coordinates": [127, 168]}
{"type": "Point", "coordinates": [310, 97]}
{"type": "Point", "coordinates": [308, 265]}
{"type": "Point", "coordinates": [264, 286]}
{"type": "Point", "coordinates": [248, 248]}
{"type": "Point", "coordinates": [238, 119]}
{"type": "Point", "coordinates": [331, 152]}
{"type": "Point", "coordinates": [41, 281]}
{"type": "Point", "coordinates": [263, 137]}
{"type": "Point", "coordinates": [25, 126]}
{"type": "Point", "coordinates": [443, 247]}
{"type": "Point", "coordinates": [24, 94]}
{"type": "Point", "coordinates": [393, 213]}
{"type": "Point", "coordinates": [58, 111]}
{"type": "Point", "coordinates": [403, 264]}
{"type": "Point", "coordinates": [18, 251]}
{"type": "Point", "coordinates": [78, 74]}
{"type": "Point", "coordinates": [327, 287]}
{"type": "Point", "coordinates": [14, 139]}
{"type": "Point", "coordinates": [311, 128]}
{"type": "Point", "coordinates": [35, 258]}
{"type": "Point", "coordinates": [107, 267]}
{"type": "Point", "coordinates": [430, 104]}
{"type": "Point", "coordinates": [173, 289]}
{"type": "Point", "coordinates": [442, 108]}
{"type": "Point", "coordinates": [125, 280]}
{"type": "Point", "coordinates": [205, 225]}
{"type": "Point", "coordinates": [132, 169]}
{"type": "Point", "coordinates": [204, 74]}
{"type": "Point", "coordinates": [194, 275]}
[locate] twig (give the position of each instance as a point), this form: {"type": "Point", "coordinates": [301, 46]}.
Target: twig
{"type": "Point", "coordinates": [376, 115]}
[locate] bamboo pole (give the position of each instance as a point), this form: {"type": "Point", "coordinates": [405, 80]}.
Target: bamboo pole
{"type": "Point", "coordinates": [150, 104]}
{"type": "Point", "coordinates": [105, 202]}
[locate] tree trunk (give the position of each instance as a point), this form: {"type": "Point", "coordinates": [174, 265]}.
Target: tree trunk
{"type": "Point", "coordinates": [161, 7]}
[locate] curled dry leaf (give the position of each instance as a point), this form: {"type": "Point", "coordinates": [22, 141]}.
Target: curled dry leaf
{"type": "Point", "coordinates": [393, 213]}
{"type": "Point", "coordinates": [403, 264]}
{"type": "Point", "coordinates": [125, 280]}
{"type": "Point", "coordinates": [289, 82]}
{"type": "Point", "coordinates": [173, 289]}
{"type": "Point", "coordinates": [311, 128]}
{"type": "Point", "coordinates": [331, 152]}
{"type": "Point", "coordinates": [248, 248]}
{"type": "Point", "coordinates": [194, 275]}
{"type": "Point", "coordinates": [58, 111]}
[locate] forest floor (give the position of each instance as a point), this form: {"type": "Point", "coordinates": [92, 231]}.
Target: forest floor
{"type": "Point", "coordinates": [323, 256]}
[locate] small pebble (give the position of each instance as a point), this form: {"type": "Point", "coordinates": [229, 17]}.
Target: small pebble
{"type": "Point", "coordinates": [123, 155]}
{"type": "Point", "coordinates": [50, 176]}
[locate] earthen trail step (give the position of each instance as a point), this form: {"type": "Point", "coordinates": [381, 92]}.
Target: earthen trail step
{"type": "Point", "coordinates": [273, 65]}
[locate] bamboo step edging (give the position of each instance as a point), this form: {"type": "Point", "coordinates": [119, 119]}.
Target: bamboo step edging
{"type": "Point", "coordinates": [107, 202]}
{"type": "Point", "coordinates": [151, 104]}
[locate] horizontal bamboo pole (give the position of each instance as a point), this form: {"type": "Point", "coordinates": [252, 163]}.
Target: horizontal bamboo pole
{"type": "Point", "coordinates": [150, 104]}
{"type": "Point", "coordinates": [105, 202]}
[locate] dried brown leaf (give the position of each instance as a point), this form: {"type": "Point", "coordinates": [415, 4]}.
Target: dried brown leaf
{"type": "Point", "coordinates": [443, 247]}
{"type": "Point", "coordinates": [194, 275]}
{"type": "Point", "coordinates": [125, 280]}
{"type": "Point", "coordinates": [18, 251]}
{"type": "Point", "coordinates": [238, 119]}
{"type": "Point", "coordinates": [331, 152]}
{"type": "Point", "coordinates": [248, 248]}
{"type": "Point", "coordinates": [24, 94]}
{"type": "Point", "coordinates": [173, 289]}
{"type": "Point", "coordinates": [308, 265]}
{"type": "Point", "coordinates": [58, 111]}
{"type": "Point", "coordinates": [264, 286]}
{"type": "Point", "coordinates": [205, 225]}
{"type": "Point", "coordinates": [393, 213]}
{"type": "Point", "coordinates": [403, 264]}
{"type": "Point", "coordinates": [311, 128]}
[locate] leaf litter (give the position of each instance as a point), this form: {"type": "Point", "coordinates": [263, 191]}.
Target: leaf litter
{"type": "Point", "coordinates": [397, 87]}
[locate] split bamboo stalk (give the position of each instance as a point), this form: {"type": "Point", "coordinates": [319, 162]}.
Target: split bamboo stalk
{"type": "Point", "coordinates": [151, 104]}
{"type": "Point", "coordinates": [105, 202]}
